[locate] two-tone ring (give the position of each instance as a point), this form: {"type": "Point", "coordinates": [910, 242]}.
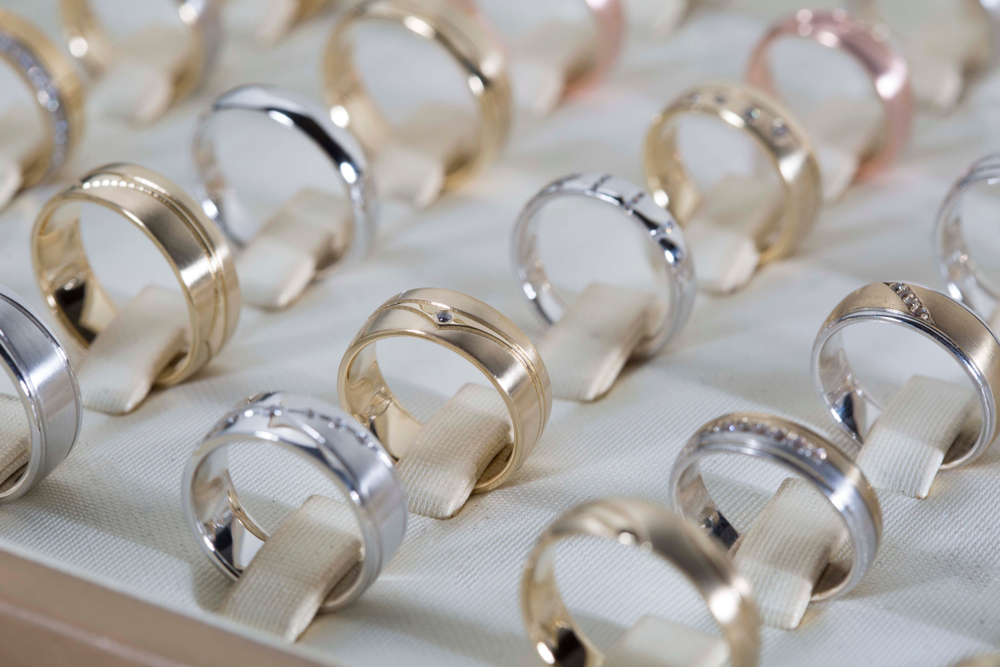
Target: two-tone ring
{"type": "Point", "coordinates": [292, 111]}
{"type": "Point", "coordinates": [949, 324]}
{"type": "Point", "coordinates": [653, 529]}
{"type": "Point", "coordinates": [40, 372]}
{"type": "Point", "coordinates": [671, 262]}
{"type": "Point", "coordinates": [470, 328]}
{"type": "Point", "coordinates": [354, 461]}
{"type": "Point", "coordinates": [801, 451]}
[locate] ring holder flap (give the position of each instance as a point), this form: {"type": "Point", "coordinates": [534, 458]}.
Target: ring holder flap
{"type": "Point", "coordinates": [311, 230]}
{"type": "Point", "coordinates": [125, 359]}
{"type": "Point", "coordinates": [15, 440]}
{"type": "Point", "coordinates": [657, 642]}
{"type": "Point", "coordinates": [909, 440]}
{"type": "Point", "coordinates": [587, 348]}
{"type": "Point", "coordinates": [279, 18]}
{"type": "Point", "coordinates": [139, 88]}
{"type": "Point", "coordinates": [721, 234]}
{"type": "Point", "coordinates": [314, 550]}
{"type": "Point", "coordinates": [452, 451]}
{"type": "Point", "coordinates": [941, 54]}
{"type": "Point", "coordinates": [20, 136]}
{"type": "Point", "coordinates": [541, 66]}
{"type": "Point", "coordinates": [787, 549]}
{"type": "Point", "coordinates": [844, 131]}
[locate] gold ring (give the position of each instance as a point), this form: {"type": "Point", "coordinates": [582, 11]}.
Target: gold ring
{"type": "Point", "coordinates": [463, 36]}
{"type": "Point", "coordinates": [97, 51]}
{"type": "Point", "coordinates": [192, 245]}
{"type": "Point", "coordinates": [57, 90]}
{"type": "Point", "coordinates": [557, 637]}
{"type": "Point", "coordinates": [463, 325]}
{"type": "Point", "coordinates": [772, 127]}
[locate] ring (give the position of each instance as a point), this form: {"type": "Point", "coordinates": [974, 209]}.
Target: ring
{"type": "Point", "coordinates": [672, 264]}
{"type": "Point", "coordinates": [94, 46]}
{"type": "Point", "coordinates": [480, 334]}
{"type": "Point", "coordinates": [289, 110]}
{"type": "Point", "coordinates": [772, 127]}
{"type": "Point", "coordinates": [887, 69]}
{"type": "Point", "coordinates": [38, 368]}
{"type": "Point", "coordinates": [552, 629]}
{"type": "Point", "coordinates": [321, 434]}
{"type": "Point", "coordinates": [801, 451]}
{"type": "Point", "coordinates": [462, 35]}
{"type": "Point", "coordinates": [191, 244]}
{"type": "Point", "coordinates": [965, 281]}
{"type": "Point", "coordinates": [610, 21]}
{"type": "Point", "coordinates": [946, 322]}
{"type": "Point", "coordinates": [57, 90]}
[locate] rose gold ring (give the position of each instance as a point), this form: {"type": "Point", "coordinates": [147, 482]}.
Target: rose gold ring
{"type": "Point", "coordinates": [610, 20]}
{"type": "Point", "coordinates": [887, 69]}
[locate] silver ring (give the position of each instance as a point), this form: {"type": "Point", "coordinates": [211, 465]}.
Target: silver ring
{"type": "Point", "coordinates": [300, 114]}
{"type": "Point", "coordinates": [326, 437]}
{"type": "Point", "coordinates": [39, 369]}
{"type": "Point", "coordinates": [950, 324]}
{"type": "Point", "coordinates": [669, 256]}
{"type": "Point", "coordinates": [801, 451]}
{"type": "Point", "coordinates": [965, 281]}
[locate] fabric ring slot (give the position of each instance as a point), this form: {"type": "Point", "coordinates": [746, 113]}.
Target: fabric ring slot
{"type": "Point", "coordinates": [20, 135]}
{"type": "Point", "coordinates": [541, 67]}
{"type": "Point", "coordinates": [844, 132]}
{"type": "Point", "coordinates": [15, 441]}
{"type": "Point", "coordinates": [657, 642]}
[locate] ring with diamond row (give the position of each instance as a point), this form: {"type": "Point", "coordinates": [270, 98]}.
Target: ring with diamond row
{"type": "Point", "coordinates": [39, 369]}
{"type": "Point", "coordinates": [308, 118]}
{"type": "Point", "coordinates": [965, 280]}
{"type": "Point", "coordinates": [946, 322]}
{"type": "Point", "coordinates": [772, 127]}
{"type": "Point", "coordinates": [320, 433]}
{"type": "Point", "coordinates": [193, 246]}
{"type": "Point", "coordinates": [801, 451]}
{"type": "Point", "coordinates": [95, 46]}
{"type": "Point", "coordinates": [455, 29]}
{"type": "Point", "coordinates": [887, 69]}
{"type": "Point", "coordinates": [470, 328]}
{"type": "Point", "coordinates": [551, 627]}
{"type": "Point", "coordinates": [56, 88]}
{"type": "Point", "coordinates": [672, 264]}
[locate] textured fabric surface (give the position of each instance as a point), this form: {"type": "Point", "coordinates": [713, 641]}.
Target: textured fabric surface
{"type": "Point", "coordinates": [284, 585]}
{"type": "Point", "coordinates": [908, 441]}
{"type": "Point", "coordinates": [125, 359]}
{"type": "Point", "coordinates": [786, 550]}
{"type": "Point", "coordinates": [587, 348]}
{"type": "Point", "coordinates": [112, 513]}
{"type": "Point", "coordinates": [452, 450]}
{"type": "Point", "coordinates": [15, 438]}
{"type": "Point", "coordinates": [280, 262]}
{"type": "Point", "coordinates": [655, 642]}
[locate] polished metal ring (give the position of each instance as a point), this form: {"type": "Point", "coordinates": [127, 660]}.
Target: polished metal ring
{"type": "Point", "coordinates": [948, 323]}
{"type": "Point", "coordinates": [40, 371]}
{"type": "Point", "coordinates": [965, 280]}
{"type": "Point", "coordinates": [300, 114]}
{"type": "Point", "coordinates": [560, 641]}
{"type": "Point", "coordinates": [801, 451]}
{"type": "Point", "coordinates": [350, 456]}
{"type": "Point", "coordinates": [671, 262]}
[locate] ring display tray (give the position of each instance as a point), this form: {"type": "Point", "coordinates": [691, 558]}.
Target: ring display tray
{"type": "Point", "coordinates": [98, 562]}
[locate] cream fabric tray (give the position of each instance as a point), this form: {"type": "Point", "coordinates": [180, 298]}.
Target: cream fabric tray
{"type": "Point", "coordinates": [112, 513]}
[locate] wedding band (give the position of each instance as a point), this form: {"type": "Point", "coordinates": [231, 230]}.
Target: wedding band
{"type": "Point", "coordinates": [935, 316]}
{"type": "Point", "coordinates": [293, 111]}
{"type": "Point", "coordinates": [609, 18]}
{"type": "Point", "coordinates": [671, 263]}
{"type": "Point", "coordinates": [468, 327]}
{"type": "Point", "coordinates": [463, 36]}
{"type": "Point", "coordinates": [192, 245]}
{"type": "Point", "coordinates": [38, 368]}
{"type": "Point", "coordinates": [965, 280]}
{"type": "Point", "coordinates": [319, 433]}
{"type": "Point", "coordinates": [887, 69]}
{"type": "Point", "coordinates": [801, 451]}
{"type": "Point", "coordinates": [772, 127]}
{"type": "Point", "coordinates": [94, 46]}
{"type": "Point", "coordinates": [56, 88]}
{"type": "Point", "coordinates": [556, 635]}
